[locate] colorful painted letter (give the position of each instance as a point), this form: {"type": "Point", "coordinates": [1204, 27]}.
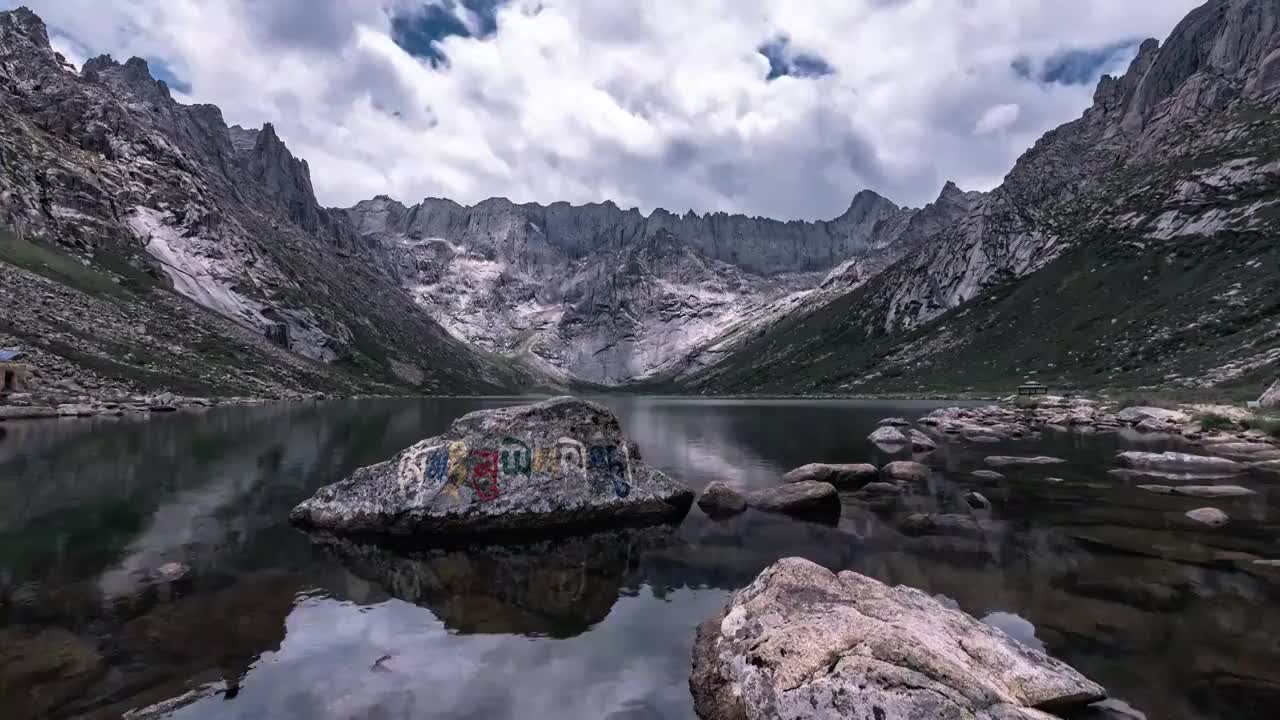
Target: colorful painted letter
{"type": "Point", "coordinates": [411, 462]}
{"type": "Point", "coordinates": [516, 458]}
{"type": "Point", "coordinates": [484, 474]}
{"type": "Point", "coordinates": [544, 461]}
{"type": "Point", "coordinates": [457, 469]}
{"type": "Point", "coordinates": [572, 455]}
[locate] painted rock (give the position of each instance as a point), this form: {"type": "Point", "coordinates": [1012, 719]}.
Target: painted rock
{"type": "Point", "coordinates": [560, 464]}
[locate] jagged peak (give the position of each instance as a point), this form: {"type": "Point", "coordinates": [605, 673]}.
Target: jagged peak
{"type": "Point", "coordinates": [30, 25]}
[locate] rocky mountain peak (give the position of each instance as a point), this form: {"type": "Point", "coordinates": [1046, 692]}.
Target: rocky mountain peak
{"type": "Point", "coordinates": [29, 25]}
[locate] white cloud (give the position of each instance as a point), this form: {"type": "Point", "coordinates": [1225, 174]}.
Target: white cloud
{"type": "Point", "coordinates": [998, 118]}
{"type": "Point", "coordinates": [648, 104]}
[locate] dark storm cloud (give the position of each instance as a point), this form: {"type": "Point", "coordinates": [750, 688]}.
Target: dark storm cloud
{"type": "Point", "coordinates": [1076, 66]}
{"type": "Point", "coordinates": [784, 61]}
{"type": "Point", "coordinates": [420, 31]}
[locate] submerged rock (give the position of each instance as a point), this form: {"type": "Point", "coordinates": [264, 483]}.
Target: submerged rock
{"type": "Point", "coordinates": [945, 524]}
{"type": "Point", "coordinates": [1179, 462]}
{"type": "Point", "coordinates": [894, 422]}
{"type": "Point", "coordinates": [842, 476]}
{"type": "Point", "coordinates": [719, 499]}
{"type": "Point", "coordinates": [987, 475]}
{"type": "Point", "coordinates": [803, 642]}
{"type": "Point", "coordinates": [977, 500]}
{"type": "Point", "coordinates": [1005, 461]}
{"type": "Point", "coordinates": [560, 464]}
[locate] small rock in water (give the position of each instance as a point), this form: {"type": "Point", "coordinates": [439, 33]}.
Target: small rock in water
{"type": "Point", "coordinates": [802, 498]}
{"type": "Point", "coordinates": [1204, 491]}
{"type": "Point", "coordinates": [921, 442]}
{"type": "Point", "coordinates": [883, 488]}
{"type": "Point", "coordinates": [987, 475]}
{"type": "Point", "coordinates": [944, 524]}
{"type": "Point", "coordinates": [977, 500]}
{"type": "Point", "coordinates": [1212, 517]}
{"type": "Point", "coordinates": [842, 476]}
{"type": "Point", "coordinates": [804, 642]}
{"type": "Point", "coordinates": [894, 422]}
{"type": "Point", "coordinates": [904, 470]}
{"type": "Point", "coordinates": [1005, 461]}
{"type": "Point", "coordinates": [1179, 462]}
{"type": "Point", "coordinates": [719, 499]}
{"type": "Point", "coordinates": [888, 437]}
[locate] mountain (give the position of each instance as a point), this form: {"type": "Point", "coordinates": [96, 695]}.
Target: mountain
{"type": "Point", "coordinates": [151, 246]}
{"type": "Point", "coordinates": [606, 295]}
{"type": "Point", "coordinates": [1131, 247]}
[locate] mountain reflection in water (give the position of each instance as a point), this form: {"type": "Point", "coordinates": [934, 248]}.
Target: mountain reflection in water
{"type": "Point", "coordinates": [268, 621]}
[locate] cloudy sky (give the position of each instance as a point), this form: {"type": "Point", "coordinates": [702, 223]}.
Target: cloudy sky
{"type": "Point", "coordinates": [780, 108]}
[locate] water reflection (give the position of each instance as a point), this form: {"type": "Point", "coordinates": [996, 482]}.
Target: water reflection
{"type": "Point", "coordinates": [1172, 617]}
{"type": "Point", "coordinates": [555, 587]}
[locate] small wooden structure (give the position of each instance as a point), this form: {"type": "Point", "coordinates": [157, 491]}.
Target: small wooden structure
{"type": "Point", "coordinates": [14, 376]}
{"type": "Point", "coordinates": [1032, 388]}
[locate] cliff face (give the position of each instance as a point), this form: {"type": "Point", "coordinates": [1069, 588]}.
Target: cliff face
{"type": "Point", "coordinates": [106, 169]}
{"type": "Point", "coordinates": [604, 294]}
{"type": "Point", "coordinates": [1177, 158]}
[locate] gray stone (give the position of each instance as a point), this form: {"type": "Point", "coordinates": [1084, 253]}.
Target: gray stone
{"type": "Point", "coordinates": [719, 499]}
{"type": "Point", "coordinates": [921, 442]}
{"type": "Point", "coordinates": [944, 524]}
{"type": "Point", "coordinates": [23, 412]}
{"type": "Point", "coordinates": [883, 488]}
{"type": "Point", "coordinates": [895, 422]}
{"type": "Point", "coordinates": [562, 463]}
{"type": "Point", "coordinates": [801, 498]}
{"type": "Point", "coordinates": [1212, 517]}
{"type": "Point", "coordinates": [1202, 491]}
{"type": "Point", "coordinates": [977, 500]}
{"type": "Point", "coordinates": [802, 642]}
{"type": "Point", "coordinates": [1177, 462]}
{"type": "Point", "coordinates": [1271, 397]}
{"type": "Point", "coordinates": [1006, 461]}
{"type": "Point", "coordinates": [987, 475]}
{"type": "Point", "coordinates": [1135, 415]}
{"type": "Point", "coordinates": [1152, 425]}
{"type": "Point", "coordinates": [888, 437]}
{"type": "Point", "coordinates": [844, 476]}
{"type": "Point", "coordinates": [904, 470]}
{"type": "Point", "coordinates": [1269, 466]}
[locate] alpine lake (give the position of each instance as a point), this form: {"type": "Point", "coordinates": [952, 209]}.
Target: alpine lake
{"type": "Point", "coordinates": [149, 563]}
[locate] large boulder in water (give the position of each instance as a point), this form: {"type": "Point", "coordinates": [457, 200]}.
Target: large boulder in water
{"type": "Point", "coordinates": [803, 642]}
{"type": "Point", "coordinates": [562, 464]}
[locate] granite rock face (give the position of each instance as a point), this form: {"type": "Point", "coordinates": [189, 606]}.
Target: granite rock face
{"type": "Point", "coordinates": [803, 642]}
{"type": "Point", "coordinates": [1271, 398]}
{"type": "Point", "coordinates": [604, 294]}
{"type": "Point", "coordinates": [206, 237]}
{"type": "Point", "coordinates": [561, 464]}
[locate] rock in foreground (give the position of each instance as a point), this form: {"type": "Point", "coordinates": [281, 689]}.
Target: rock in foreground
{"type": "Point", "coordinates": [803, 642]}
{"type": "Point", "coordinates": [559, 464]}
